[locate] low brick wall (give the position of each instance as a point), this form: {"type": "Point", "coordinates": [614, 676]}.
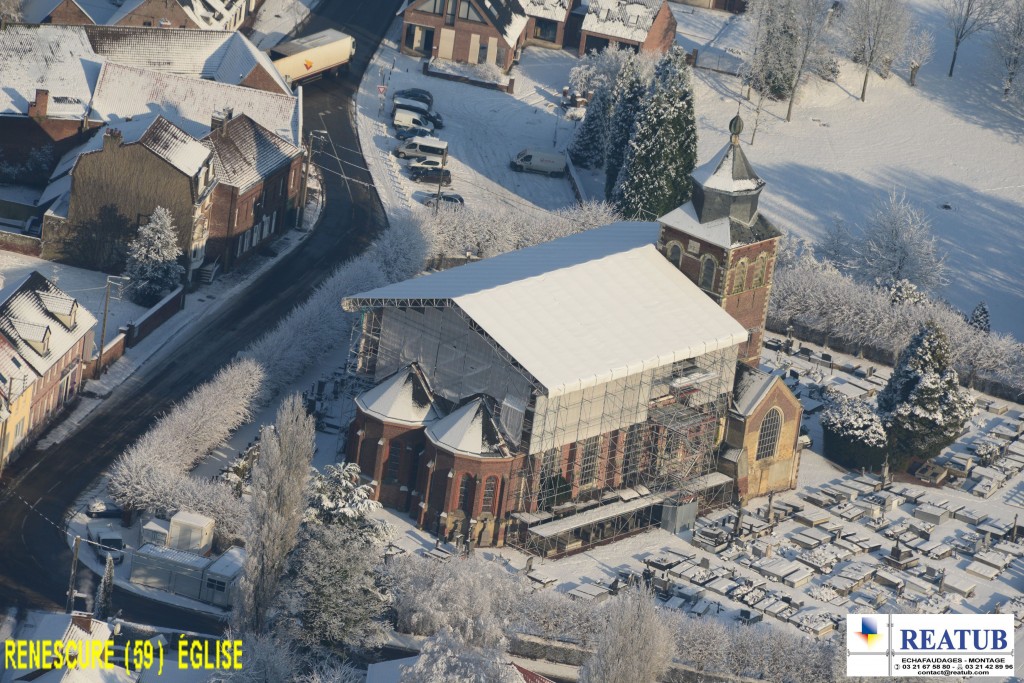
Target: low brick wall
{"type": "Point", "coordinates": [155, 317]}
{"type": "Point", "coordinates": [21, 244]}
{"type": "Point", "coordinates": [510, 88]}
{"type": "Point", "coordinates": [114, 349]}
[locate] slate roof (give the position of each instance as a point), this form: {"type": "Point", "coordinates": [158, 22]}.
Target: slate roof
{"type": "Point", "coordinates": [125, 91]}
{"type": "Point", "coordinates": [507, 16]}
{"type": "Point", "coordinates": [29, 313]}
{"type": "Point", "coordinates": [751, 386]}
{"type": "Point", "coordinates": [555, 10]}
{"type": "Point", "coordinates": [723, 232]}
{"type": "Point", "coordinates": [175, 146]}
{"type": "Point", "coordinates": [608, 286]}
{"type": "Point", "coordinates": [399, 399]}
{"type": "Point", "coordinates": [468, 430]}
{"type": "Point", "coordinates": [728, 171]}
{"type": "Point", "coordinates": [58, 59]}
{"type": "Point", "coordinates": [15, 374]}
{"type": "Point", "coordinates": [626, 19]}
{"type": "Point", "coordinates": [245, 152]}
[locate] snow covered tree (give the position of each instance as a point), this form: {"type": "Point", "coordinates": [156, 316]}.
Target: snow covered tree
{"type": "Point", "coordinates": [855, 435]}
{"type": "Point", "coordinates": [655, 175]}
{"type": "Point", "coordinates": [589, 143]}
{"type": "Point", "coordinates": [923, 404]}
{"type": "Point", "coordinates": [1008, 43]}
{"type": "Point", "coordinates": [105, 592]}
{"type": "Point", "coordinates": [336, 496]}
{"type": "Point", "coordinates": [809, 21]}
{"type": "Point", "coordinates": [602, 69]}
{"type": "Point", "coordinates": [967, 17]}
{"type": "Point", "coordinates": [920, 49]}
{"type": "Point", "coordinates": [772, 64]}
{"type": "Point", "coordinates": [278, 501]}
{"type": "Point", "coordinates": [328, 671]}
{"type": "Point", "coordinates": [630, 89]}
{"type": "Point", "coordinates": [979, 319]}
{"type": "Point", "coordinates": [875, 32]}
{"type": "Point", "coordinates": [636, 647]}
{"type": "Point", "coordinates": [10, 10]}
{"type": "Point", "coordinates": [445, 657]}
{"type": "Point", "coordinates": [898, 245]}
{"type": "Point", "coordinates": [265, 659]}
{"type": "Point", "coordinates": [153, 259]}
{"type": "Point", "coordinates": [330, 597]}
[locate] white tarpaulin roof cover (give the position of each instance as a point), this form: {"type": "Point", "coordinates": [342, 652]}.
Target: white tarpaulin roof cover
{"type": "Point", "coordinates": [579, 311]}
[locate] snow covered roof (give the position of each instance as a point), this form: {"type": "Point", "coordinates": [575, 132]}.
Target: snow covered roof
{"type": "Point", "coordinates": [723, 232]}
{"type": "Point", "coordinates": [728, 171]}
{"type": "Point", "coordinates": [177, 556]}
{"type": "Point", "coordinates": [399, 399]}
{"type": "Point", "coordinates": [623, 19]}
{"type": "Point", "coordinates": [15, 373]}
{"type": "Point", "coordinates": [175, 146]}
{"type": "Point", "coordinates": [192, 519]}
{"type": "Point", "coordinates": [223, 56]}
{"type": "Point", "coordinates": [555, 10]}
{"type": "Point", "coordinates": [751, 387]}
{"type": "Point", "coordinates": [468, 430]}
{"type": "Point", "coordinates": [246, 153]}
{"type": "Point", "coordinates": [507, 16]}
{"type": "Point", "coordinates": [58, 59]}
{"type": "Point", "coordinates": [33, 323]}
{"type": "Point", "coordinates": [229, 564]}
{"type": "Point", "coordinates": [578, 311]}
{"type": "Point", "coordinates": [125, 91]}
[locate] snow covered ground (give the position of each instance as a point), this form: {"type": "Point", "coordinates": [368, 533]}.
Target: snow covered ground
{"type": "Point", "coordinates": [947, 142]}
{"type": "Point", "coordinates": [484, 129]}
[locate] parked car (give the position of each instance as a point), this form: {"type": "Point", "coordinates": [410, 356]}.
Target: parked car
{"type": "Point", "coordinates": [422, 146]}
{"type": "Point", "coordinates": [448, 199]}
{"type": "Point", "coordinates": [425, 162]}
{"type": "Point", "coordinates": [106, 540]}
{"type": "Point", "coordinates": [404, 118]}
{"type": "Point", "coordinates": [432, 175]}
{"type": "Point", "coordinates": [418, 94]}
{"type": "Point", "coordinates": [409, 133]}
{"type": "Point", "coordinates": [103, 509]}
{"type": "Point", "coordinates": [418, 107]}
{"type": "Point", "coordinates": [539, 162]}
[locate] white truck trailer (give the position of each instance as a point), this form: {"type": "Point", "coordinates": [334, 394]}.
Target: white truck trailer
{"type": "Point", "coordinates": [313, 56]}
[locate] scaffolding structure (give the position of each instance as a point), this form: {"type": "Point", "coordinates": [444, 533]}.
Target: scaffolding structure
{"type": "Point", "coordinates": [591, 464]}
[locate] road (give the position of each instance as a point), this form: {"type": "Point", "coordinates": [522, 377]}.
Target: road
{"type": "Point", "coordinates": [34, 554]}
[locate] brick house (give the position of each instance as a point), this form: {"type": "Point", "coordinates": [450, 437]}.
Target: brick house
{"type": "Point", "coordinates": [17, 382]}
{"type": "Point", "coordinates": [548, 22]}
{"type": "Point", "coordinates": [131, 170]}
{"type": "Point", "coordinates": [258, 180]}
{"type": "Point", "coordinates": [734, 6]}
{"type": "Point", "coordinates": [469, 31]}
{"type": "Point", "coordinates": [224, 15]}
{"type": "Point", "coordinates": [763, 425]}
{"type": "Point", "coordinates": [51, 334]}
{"type": "Point", "coordinates": [644, 25]}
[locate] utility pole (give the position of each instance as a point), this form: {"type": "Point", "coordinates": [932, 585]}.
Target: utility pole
{"type": "Point", "coordinates": [74, 571]}
{"type": "Point", "coordinates": [301, 213]}
{"type": "Point", "coordinates": [440, 177]}
{"type": "Point", "coordinates": [120, 282]}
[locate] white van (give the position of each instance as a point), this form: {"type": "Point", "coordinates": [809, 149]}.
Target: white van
{"type": "Point", "coordinates": [407, 119]}
{"type": "Point", "coordinates": [422, 147]}
{"type": "Point", "coordinates": [417, 107]}
{"type": "Point", "coordinates": [550, 163]}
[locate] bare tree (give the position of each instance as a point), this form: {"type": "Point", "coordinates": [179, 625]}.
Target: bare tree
{"type": "Point", "coordinates": [899, 245]}
{"type": "Point", "coordinates": [810, 18]}
{"type": "Point", "coordinates": [278, 501]}
{"type": "Point", "coordinates": [1008, 42]}
{"type": "Point", "coordinates": [967, 17]}
{"type": "Point", "coordinates": [875, 32]}
{"type": "Point", "coordinates": [920, 49]}
{"type": "Point", "coordinates": [10, 10]}
{"type": "Point", "coordinates": [637, 646]}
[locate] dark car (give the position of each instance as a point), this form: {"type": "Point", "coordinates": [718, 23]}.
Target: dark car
{"type": "Point", "coordinates": [418, 94]}
{"type": "Point", "coordinates": [102, 509]}
{"type": "Point", "coordinates": [448, 199]}
{"type": "Point", "coordinates": [432, 175]}
{"type": "Point", "coordinates": [420, 109]}
{"type": "Point", "coordinates": [408, 133]}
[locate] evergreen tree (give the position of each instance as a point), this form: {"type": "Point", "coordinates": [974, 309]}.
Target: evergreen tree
{"type": "Point", "coordinates": [629, 92]}
{"type": "Point", "coordinates": [588, 145]}
{"type": "Point", "coordinates": [923, 405]}
{"type": "Point", "coordinates": [153, 258]}
{"type": "Point", "coordinates": [979, 318]}
{"type": "Point", "coordinates": [105, 592]}
{"type": "Point", "coordinates": [655, 176]}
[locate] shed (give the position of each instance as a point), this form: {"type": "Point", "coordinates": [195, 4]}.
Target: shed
{"type": "Point", "coordinates": [221, 577]}
{"type": "Point", "coordinates": [169, 570]}
{"type": "Point", "coordinates": [155, 531]}
{"type": "Point", "coordinates": [191, 531]}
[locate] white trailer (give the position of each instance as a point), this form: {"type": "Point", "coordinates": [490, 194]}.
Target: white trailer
{"type": "Point", "coordinates": [313, 56]}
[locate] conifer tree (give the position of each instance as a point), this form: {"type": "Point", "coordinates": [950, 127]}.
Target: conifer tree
{"type": "Point", "coordinates": [153, 258]}
{"type": "Point", "coordinates": [630, 88]}
{"type": "Point", "coordinates": [979, 319]}
{"type": "Point", "coordinates": [923, 405]}
{"type": "Point", "coordinates": [588, 145]}
{"type": "Point", "coordinates": [105, 592]}
{"type": "Point", "coordinates": [655, 177]}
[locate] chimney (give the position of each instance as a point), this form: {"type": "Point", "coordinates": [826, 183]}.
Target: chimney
{"type": "Point", "coordinates": [112, 139]}
{"type": "Point", "coordinates": [38, 108]}
{"type": "Point", "coordinates": [82, 620]}
{"type": "Point", "coordinates": [220, 118]}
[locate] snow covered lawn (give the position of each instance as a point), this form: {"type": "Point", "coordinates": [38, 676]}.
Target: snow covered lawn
{"type": "Point", "coordinates": [946, 143]}
{"type": "Point", "coordinates": [484, 129]}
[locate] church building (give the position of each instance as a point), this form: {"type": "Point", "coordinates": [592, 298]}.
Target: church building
{"type": "Point", "coordinates": [568, 394]}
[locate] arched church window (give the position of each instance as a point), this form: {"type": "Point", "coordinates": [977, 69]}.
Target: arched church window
{"type": "Point", "coordinates": [707, 272]}
{"type": "Point", "coordinates": [675, 254]}
{"type": "Point", "coordinates": [464, 484]}
{"type": "Point", "coordinates": [489, 488]}
{"type": "Point", "coordinates": [768, 435]}
{"type": "Point", "coordinates": [739, 278]}
{"type": "Point", "coordinates": [761, 270]}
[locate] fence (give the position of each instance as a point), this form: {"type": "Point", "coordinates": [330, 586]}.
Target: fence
{"type": "Point", "coordinates": [574, 181]}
